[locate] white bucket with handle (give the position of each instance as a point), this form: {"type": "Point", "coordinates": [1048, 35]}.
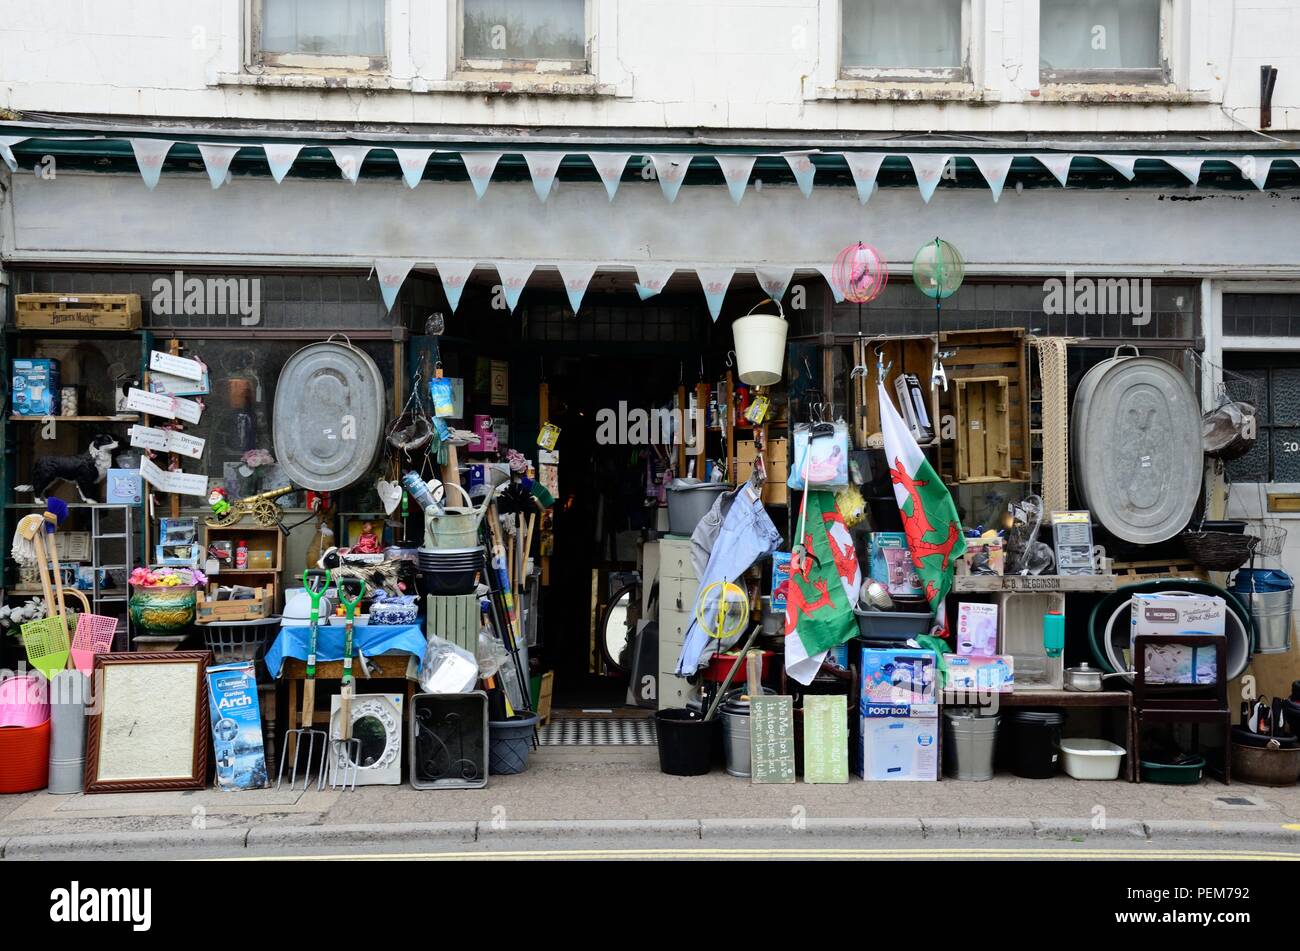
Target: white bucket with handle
{"type": "Point", "coordinates": [760, 345]}
{"type": "Point", "coordinates": [458, 526]}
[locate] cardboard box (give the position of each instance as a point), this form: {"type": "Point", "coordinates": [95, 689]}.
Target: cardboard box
{"type": "Point", "coordinates": [891, 565]}
{"type": "Point", "coordinates": [893, 681]}
{"type": "Point", "coordinates": [36, 387]}
{"type": "Point", "coordinates": [972, 674]}
{"type": "Point", "coordinates": [977, 628]}
{"type": "Point", "coordinates": [236, 718]}
{"type": "Point", "coordinates": [983, 555]}
{"type": "Point", "coordinates": [1192, 615]}
{"type": "Point", "coordinates": [899, 749]}
{"type": "Point", "coordinates": [77, 311]}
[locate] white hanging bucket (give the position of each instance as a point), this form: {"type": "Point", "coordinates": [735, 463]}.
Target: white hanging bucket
{"type": "Point", "coordinates": [760, 345]}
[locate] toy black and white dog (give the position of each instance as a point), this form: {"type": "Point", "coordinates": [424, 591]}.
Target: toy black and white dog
{"type": "Point", "coordinates": [84, 471]}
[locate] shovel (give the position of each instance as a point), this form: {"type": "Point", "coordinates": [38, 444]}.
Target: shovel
{"type": "Point", "coordinates": [347, 750]}
{"type": "Point", "coordinates": [316, 582]}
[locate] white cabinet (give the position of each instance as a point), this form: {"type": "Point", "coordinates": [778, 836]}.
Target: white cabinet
{"type": "Point", "coordinates": [677, 589]}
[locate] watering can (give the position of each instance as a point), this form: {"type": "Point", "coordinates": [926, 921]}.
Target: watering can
{"type": "Point", "coordinates": [454, 526]}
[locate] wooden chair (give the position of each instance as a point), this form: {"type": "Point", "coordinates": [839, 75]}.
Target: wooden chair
{"type": "Point", "coordinates": [1182, 703]}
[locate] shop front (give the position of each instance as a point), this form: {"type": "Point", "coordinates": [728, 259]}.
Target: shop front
{"type": "Point", "coordinates": [882, 464]}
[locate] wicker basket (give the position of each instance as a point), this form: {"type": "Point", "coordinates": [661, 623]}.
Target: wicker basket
{"type": "Point", "coordinates": [1219, 551]}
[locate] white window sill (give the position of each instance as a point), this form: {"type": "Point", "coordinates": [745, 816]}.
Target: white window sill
{"type": "Point", "coordinates": [505, 84]}
{"type": "Point", "coordinates": [1117, 94]}
{"type": "Point", "coordinates": [864, 90]}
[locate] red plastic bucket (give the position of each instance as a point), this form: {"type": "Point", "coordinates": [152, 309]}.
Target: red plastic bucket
{"type": "Point", "coordinates": [24, 758]}
{"type": "Point", "coordinates": [720, 665]}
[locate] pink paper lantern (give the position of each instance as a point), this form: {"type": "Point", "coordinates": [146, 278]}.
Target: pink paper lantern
{"type": "Point", "coordinates": [859, 273]}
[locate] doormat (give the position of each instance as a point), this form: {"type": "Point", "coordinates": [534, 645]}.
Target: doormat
{"type": "Point", "coordinates": [599, 731]}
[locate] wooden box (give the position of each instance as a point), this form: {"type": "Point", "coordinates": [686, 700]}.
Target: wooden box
{"type": "Point", "coordinates": [983, 355]}
{"type": "Point", "coordinates": [775, 490]}
{"type": "Point", "coordinates": [253, 609]}
{"type": "Point", "coordinates": [78, 311]}
{"type": "Point", "coordinates": [983, 440]}
{"type": "Point", "coordinates": [900, 355]}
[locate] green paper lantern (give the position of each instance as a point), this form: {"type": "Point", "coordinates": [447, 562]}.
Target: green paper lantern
{"type": "Point", "coordinates": [938, 269]}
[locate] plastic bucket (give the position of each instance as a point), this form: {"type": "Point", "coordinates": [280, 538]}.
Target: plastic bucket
{"type": "Point", "coordinates": [509, 743]}
{"type": "Point", "coordinates": [968, 746]}
{"type": "Point", "coordinates": [1037, 739]}
{"type": "Point", "coordinates": [24, 758]}
{"type": "Point", "coordinates": [689, 500]}
{"type": "Point", "coordinates": [760, 346]}
{"type": "Point", "coordinates": [686, 742]}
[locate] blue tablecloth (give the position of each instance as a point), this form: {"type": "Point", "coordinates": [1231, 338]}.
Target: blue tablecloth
{"type": "Point", "coordinates": [371, 640]}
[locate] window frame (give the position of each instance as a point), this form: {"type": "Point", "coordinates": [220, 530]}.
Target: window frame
{"type": "Point", "coordinates": [910, 74]}
{"type": "Point", "coordinates": [257, 58]}
{"type": "Point", "coordinates": [552, 67]}
{"type": "Point", "coordinates": [1161, 75]}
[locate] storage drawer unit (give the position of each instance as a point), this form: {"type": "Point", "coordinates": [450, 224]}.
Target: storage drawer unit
{"type": "Point", "coordinates": [678, 587]}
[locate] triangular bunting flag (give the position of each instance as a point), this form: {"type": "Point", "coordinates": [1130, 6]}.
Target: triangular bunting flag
{"type": "Point", "coordinates": [542, 166]}
{"type": "Point", "coordinates": [150, 155]}
{"type": "Point", "coordinates": [1253, 168]}
{"type": "Point", "coordinates": [412, 162]}
{"type": "Point", "coordinates": [392, 273]}
{"type": "Point", "coordinates": [217, 159]}
{"type": "Point", "coordinates": [715, 281]}
{"type": "Point", "coordinates": [995, 169]}
{"type": "Point", "coordinates": [929, 170]}
{"type": "Point", "coordinates": [514, 276]}
{"type": "Point", "coordinates": [480, 166]}
{"type": "Point", "coordinates": [576, 277]}
{"type": "Point", "coordinates": [774, 280]}
{"type": "Point", "coordinates": [454, 276]}
{"type": "Point", "coordinates": [1126, 165]}
{"type": "Point", "coordinates": [1190, 167]}
{"type": "Point", "coordinates": [349, 159]}
{"type": "Point", "coordinates": [825, 271]}
{"type": "Point", "coordinates": [736, 170]}
{"type": "Point", "coordinates": [651, 279]}
{"type": "Point", "coordinates": [802, 165]}
{"type": "Point", "coordinates": [280, 157]}
{"type": "Point", "coordinates": [6, 150]}
{"type": "Point", "coordinates": [1058, 165]}
{"type": "Point", "coordinates": [671, 171]}
{"type": "Point", "coordinates": [864, 166]}
{"type": "Point", "coordinates": [609, 166]}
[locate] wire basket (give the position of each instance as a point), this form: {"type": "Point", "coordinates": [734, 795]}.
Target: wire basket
{"type": "Point", "coordinates": [1272, 537]}
{"type": "Point", "coordinates": [1219, 551]}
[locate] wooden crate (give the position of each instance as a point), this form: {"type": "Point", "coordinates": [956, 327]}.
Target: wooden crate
{"type": "Point", "coordinates": [981, 354]}
{"type": "Point", "coordinates": [983, 432]}
{"type": "Point", "coordinates": [914, 355]}
{"type": "Point", "coordinates": [544, 693]}
{"type": "Point", "coordinates": [259, 606]}
{"type": "Point", "coordinates": [78, 311]}
{"type": "Point", "coordinates": [1131, 572]}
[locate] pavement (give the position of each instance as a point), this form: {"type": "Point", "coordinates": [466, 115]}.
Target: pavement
{"type": "Point", "coordinates": [598, 799]}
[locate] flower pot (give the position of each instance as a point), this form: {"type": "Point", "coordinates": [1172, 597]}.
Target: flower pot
{"type": "Point", "coordinates": [162, 610]}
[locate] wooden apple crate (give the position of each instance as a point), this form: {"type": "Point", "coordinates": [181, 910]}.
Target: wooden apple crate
{"type": "Point", "coordinates": [78, 311]}
{"type": "Point", "coordinates": [984, 356]}
{"type": "Point", "coordinates": [209, 611]}
{"type": "Point", "coordinates": [911, 355]}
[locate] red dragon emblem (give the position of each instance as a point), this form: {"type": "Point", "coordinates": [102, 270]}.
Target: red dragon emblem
{"type": "Point", "coordinates": [916, 526]}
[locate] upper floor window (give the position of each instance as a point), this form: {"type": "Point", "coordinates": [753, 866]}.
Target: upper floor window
{"type": "Point", "coordinates": [886, 39]}
{"type": "Point", "coordinates": [524, 35]}
{"type": "Point", "coordinates": [1103, 40]}
{"type": "Point", "coordinates": [340, 34]}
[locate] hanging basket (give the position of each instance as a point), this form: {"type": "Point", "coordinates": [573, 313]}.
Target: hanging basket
{"type": "Point", "coordinates": [1219, 551]}
{"type": "Point", "coordinates": [760, 345]}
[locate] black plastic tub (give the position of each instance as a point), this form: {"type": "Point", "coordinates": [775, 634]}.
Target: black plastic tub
{"type": "Point", "coordinates": [688, 743]}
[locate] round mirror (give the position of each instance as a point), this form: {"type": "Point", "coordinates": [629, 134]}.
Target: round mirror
{"type": "Point", "coordinates": [617, 632]}
{"type": "Point", "coordinates": [374, 739]}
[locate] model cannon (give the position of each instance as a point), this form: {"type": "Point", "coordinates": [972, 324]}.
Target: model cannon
{"type": "Point", "coordinates": [261, 508]}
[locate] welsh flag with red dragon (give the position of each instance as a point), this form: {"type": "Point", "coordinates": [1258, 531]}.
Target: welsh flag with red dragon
{"type": "Point", "coordinates": [823, 586]}
{"type": "Point", "coordinates": [930, 521]}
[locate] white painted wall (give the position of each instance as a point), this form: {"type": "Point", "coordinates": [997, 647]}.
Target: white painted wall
{"type": "Point", "coordinates": [717, 64]}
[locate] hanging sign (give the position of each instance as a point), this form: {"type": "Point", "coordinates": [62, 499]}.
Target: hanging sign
{"type": "Point", "coordinates": [280, 158]}
{"type": "Point", "coordinates": [736, 169]}
{"type": "Point", "coordinates": [170, 385]}
{"type": "Point", "coordinates": [771, 739]}
{"type": "Point", "coordinates": [995, 169]}
{"type": "Point", "coordinates": [542, 166]}
{"type": "Point", "coordinates": [150, 155]}
{"type": "Point", "coordinates": [610, 166]}
{"type": "Point", "coordinates": [167, 440]}
{"type": "Point", "coordinates": [825, 739]}
{"type": "Point", "coordinates": [150, 404]}
{"type": "Point", "coordinates": [864, 166]}
{"type": "Point", "coordinates": [188, 410]}
{"type": "Point", "coordinates": [176, 483]}
{"type": "Point", "coordinates": [412, 162]}
{"type": "Point", "coordinates": [176, 366]}
{"type": "Point", "coordinates": [217, 159]}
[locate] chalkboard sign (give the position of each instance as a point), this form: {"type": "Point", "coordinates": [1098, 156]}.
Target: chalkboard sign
{"type": "Point", "coordinates": [825, 739]}
{"type": "Point", "coordinates": [771, 739]}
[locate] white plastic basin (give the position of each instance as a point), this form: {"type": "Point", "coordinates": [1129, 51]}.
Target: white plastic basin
{"type": "Point", "coordinates": [1091, 759]}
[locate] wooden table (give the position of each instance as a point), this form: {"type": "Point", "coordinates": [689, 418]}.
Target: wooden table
{"type": "Point", "coordinates": [383, 667]}
{"type": "Point", "coordinates": [1066, 699]}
